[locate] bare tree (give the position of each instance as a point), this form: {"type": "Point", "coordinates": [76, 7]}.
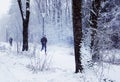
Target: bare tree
{"type": "Point", "coordinates": [25, 20]}
{"type": "Point", "coordinates": [77, 29]}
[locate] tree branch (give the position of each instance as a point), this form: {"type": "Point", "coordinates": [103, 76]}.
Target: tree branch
{"type": "Point", "coordinates": [20, 7]}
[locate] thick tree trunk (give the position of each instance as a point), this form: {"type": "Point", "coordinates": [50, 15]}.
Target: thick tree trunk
{"type": "Point", "coordinates": [94, 14]}
{"type": "Point", "coordinates": [77, 30]}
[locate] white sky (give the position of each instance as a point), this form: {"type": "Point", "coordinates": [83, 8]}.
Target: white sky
{"type": "Point", "coordinates": [4, 6]}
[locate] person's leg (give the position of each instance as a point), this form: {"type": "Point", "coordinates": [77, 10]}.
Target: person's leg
{"type": "Point", "coordinates": [45, 49]}
{"type": "Point", "coordinates": [10, 43]}
{"type": "Point", "coordinates": [42, 47]}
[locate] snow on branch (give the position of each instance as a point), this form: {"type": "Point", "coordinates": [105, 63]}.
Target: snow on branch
{"type": "Point", "coordinates": [93, 12]}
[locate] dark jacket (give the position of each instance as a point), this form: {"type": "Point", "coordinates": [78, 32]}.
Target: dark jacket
{"type": "Point", "coordinates": [44, 40]}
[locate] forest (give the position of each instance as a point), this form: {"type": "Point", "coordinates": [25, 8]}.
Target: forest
{"type": "Point", "coordinates": [60, 41]}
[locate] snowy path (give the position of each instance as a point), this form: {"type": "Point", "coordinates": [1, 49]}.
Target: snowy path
{"type": "Point", "coordinates": [13, 67]}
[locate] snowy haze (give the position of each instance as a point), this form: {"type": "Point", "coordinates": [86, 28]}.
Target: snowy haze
{"type": "Point", "coordinates": [56, 32]}
{"type": "Point", "coordinates": [4, 7]}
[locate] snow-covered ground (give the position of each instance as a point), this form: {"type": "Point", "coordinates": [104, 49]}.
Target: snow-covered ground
{"type": "Point", "coordinates": [14, 67]}
{"type": "Point", "coordinates": [58, 66]}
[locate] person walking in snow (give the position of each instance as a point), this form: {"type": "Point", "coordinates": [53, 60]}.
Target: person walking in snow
{"type": "Point", "coordinates": [43, 42]}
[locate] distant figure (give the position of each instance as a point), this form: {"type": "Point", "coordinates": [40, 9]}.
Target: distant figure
{"type": "Point", "coordinates": [10, 41]}
{"type": "Point", "coordinates": [43, 42]}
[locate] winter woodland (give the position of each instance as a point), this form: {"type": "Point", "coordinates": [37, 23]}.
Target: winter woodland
{"type": "Point", "coordinates": [81, 40]}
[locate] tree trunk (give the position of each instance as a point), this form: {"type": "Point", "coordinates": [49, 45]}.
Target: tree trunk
{"type": "Point", "coordinates": [25, 36]}
{"type": "Point", "coordinates": [25, 26]}
{"type": "Point", "coordinates": [94, 14]}
{"type": "Point", "coordinates": [25, 23]}
{"type": "Point", "coordinates": [77, 30]}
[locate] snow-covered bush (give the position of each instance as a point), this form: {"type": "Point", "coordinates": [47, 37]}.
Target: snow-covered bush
{"type": "Point", "coordinates": [40, 61]}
